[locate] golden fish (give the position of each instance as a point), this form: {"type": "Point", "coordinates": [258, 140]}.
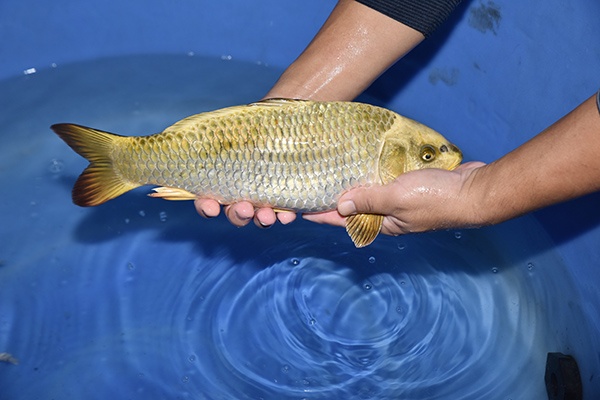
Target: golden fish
{"type": "Point", "coordinates": [286, 154]}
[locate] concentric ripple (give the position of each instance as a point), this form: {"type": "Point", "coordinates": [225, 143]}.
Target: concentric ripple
{"type": "Point", "coordinates": [318, 327]}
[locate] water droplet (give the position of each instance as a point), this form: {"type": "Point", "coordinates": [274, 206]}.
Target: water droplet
{"type": "Point", "coordinates": [294, 261]}
{"type": "Point", "coordinates": [403, 283]}
{"type": "Point", "coordinates": [56, 166]}
{"type": "Point", "coordinates": [185, 379]}
{"type": "Point", "coordinates": [401, 246]}
{"type": "Point", "coordinates": [312, 321]}
{"type": "Point", "coordinates": [192, 358]}
{"type": "Point", "coordinates": [399, 310]}
{"type": "Point", "coordinates": [372, 260]}
{"type": "Point", "coordinates": [285, 369]}
{"type": "Point", "coordinates": [495, 270]}
{"type": "Point", "coordinates": [130, 266]}
{"type": "Point", "coordinates": [54, 65]}
{"type": "Point", "coordinates": [142, 213]}
{"type": "Point", "coordinates": [368, 286]}
{"type": "Point", "coordinates": [163, 216]}
{"type": "Point", "coordinates": [530, 266]}
{"type": "Point", "coordinates": [458, 234]}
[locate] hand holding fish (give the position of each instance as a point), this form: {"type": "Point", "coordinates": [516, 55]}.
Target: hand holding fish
{"type": "Point", "coordinates": [416, 201]}
{"type": "Point", "coordinates": [286, 154]}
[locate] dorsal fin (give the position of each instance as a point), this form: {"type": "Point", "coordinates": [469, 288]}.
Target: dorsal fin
{"type": "Point", "coordinates": [192, 120]}
{"type": "Point", "coordinates": [188, 122]}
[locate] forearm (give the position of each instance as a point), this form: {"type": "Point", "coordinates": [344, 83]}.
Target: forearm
{"type": "Point", "coordinates": [355, 45]}
{"type": "Point", "coordinates": [559, 164]}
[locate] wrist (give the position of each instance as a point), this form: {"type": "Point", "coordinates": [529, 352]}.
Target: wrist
{"type": "Point", "coordinates": [477, 196]}
{"type": "Point", "coordinates": [489, 194]}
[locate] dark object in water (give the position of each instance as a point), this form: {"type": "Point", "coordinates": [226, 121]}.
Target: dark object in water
{"type": "Point", "coordinates": [563, 381]}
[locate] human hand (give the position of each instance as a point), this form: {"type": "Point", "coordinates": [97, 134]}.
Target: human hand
{"type": "Point", "coordinates": [240, 214]}
{"type": "Point", "coordinates": [416, 201]}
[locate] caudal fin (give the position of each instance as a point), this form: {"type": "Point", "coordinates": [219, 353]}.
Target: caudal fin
{"type": "Point", "coordinates": [98, 183]}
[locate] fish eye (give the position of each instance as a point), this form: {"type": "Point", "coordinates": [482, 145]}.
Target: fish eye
{"type": "Point", "coordinates": [427, 153]}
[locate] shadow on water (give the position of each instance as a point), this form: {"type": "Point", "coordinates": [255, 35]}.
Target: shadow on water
{"type": "Point", "coordinates": [565, 222]}
{"type": "Point", "coordinates": [177, 222]}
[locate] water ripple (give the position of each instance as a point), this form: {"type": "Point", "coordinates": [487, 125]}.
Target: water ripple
{"type": "Point", "coordinates": [318, 328]}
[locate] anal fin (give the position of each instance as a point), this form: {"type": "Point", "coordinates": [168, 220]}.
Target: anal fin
{"type": "Point", "coordinates": [283, 210]}
{"type": "Point", "coordinates": [169, 193]}
{"type": "Point", "coordinates": [363, 228]}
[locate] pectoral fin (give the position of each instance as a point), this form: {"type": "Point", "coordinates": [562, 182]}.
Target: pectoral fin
{"type": "Point", "coordinates": [363, 228]}
{"type": "Point", "coordinates": [169, 193]}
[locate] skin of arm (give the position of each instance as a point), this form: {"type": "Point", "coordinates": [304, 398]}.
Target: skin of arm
{"type": "Point", "coordinates": [355, 45]}
{"type": "Point", "coordinates": [559, 164]}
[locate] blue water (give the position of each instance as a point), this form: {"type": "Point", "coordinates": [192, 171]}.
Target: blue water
{"type": "Point", "coordinates": [141, 298]}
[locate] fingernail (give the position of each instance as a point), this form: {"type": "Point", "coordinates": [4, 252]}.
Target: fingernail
{"type": "Point", "coordinates": [347, 208]}
{"type": "Point", "coordinates": [242, 217]}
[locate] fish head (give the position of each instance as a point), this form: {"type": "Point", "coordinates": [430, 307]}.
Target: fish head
{"type": "Point", "coordinates": [410, 145]}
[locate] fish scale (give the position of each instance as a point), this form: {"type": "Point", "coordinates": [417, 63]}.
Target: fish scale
{"type": "Point", "coordinates": [302, 169]}
{"type": "Point", "coordinates": [286, 154]}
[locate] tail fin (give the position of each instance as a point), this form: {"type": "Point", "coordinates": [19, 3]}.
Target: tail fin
{"type": "Point", "coordinates": [98, 183]}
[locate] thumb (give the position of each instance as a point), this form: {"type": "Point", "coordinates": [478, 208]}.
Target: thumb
{"type": "Point", "coordinates": [365, 200]}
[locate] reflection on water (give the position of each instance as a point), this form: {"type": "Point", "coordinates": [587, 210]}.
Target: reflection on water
{"type": "Point", "coordinates": [141, 298]}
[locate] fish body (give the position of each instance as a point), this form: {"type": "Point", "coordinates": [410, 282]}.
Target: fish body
{"type": "Point", "coordinates": [286, 154]}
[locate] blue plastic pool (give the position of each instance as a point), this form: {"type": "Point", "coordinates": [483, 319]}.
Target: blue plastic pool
{"type": "Point", "coordinates": [141, 298]}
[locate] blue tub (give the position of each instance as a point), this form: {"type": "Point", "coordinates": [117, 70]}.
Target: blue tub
{"type": "Point", "coordinates": [141, 298]}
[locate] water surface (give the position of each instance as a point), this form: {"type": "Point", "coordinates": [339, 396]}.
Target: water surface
{"type": "Point", "coordinates": [141, 298]}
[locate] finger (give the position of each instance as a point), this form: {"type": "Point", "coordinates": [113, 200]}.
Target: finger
{"type": "Point", "coordinates": [240, 214]}
{"type": "Point", "coordinates": [371, 200]}
{"type": "Point", "coordinates": [207, 208]}
{"type": "Point", "coordinates": [286, 217]}
{"type": "Point", "coordinates": [264, 217]}
{"type": "Point", "coordinates": [329, 217]}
